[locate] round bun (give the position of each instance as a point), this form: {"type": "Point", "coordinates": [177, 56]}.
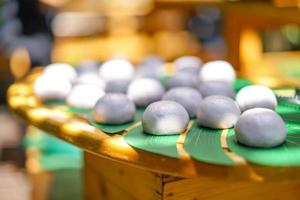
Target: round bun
{"type": "Point", "coordinates": [209, 88]}
{"type": "Point", "coordinates": [116, 69]}
{"type": "Point", "coordinates": [145, 91]}
{"type": "Point", "coordinates": [188, 64]}
{"type": "Point", "coordinates": [117, 86]}
{"type": "Point", "coordinates": [61, 70]}
{"type": "Point", "coordinates": [217, 71]}
{"type": "Point", "coordinates": [189, 98]}
{"type": "Point", "coordinates": [218, 112]}
{"type": "Point", "coordinates": [182, 79]}
{"type": "Point", "coordinates": [165, 118]}
{"type": "Point", "coordinates": [154, 71]}
{"type": "Point", "coordinates": [114, 108]}
{"type": "Point", "coordinates": [52, 88]}
{"type": "Point", "coordinates": [87, 66]}
{"type": "Point", "coordinates": [84, 96]}
{"type": "Point", "coordinates": [152, 59]}
{"type": "Point", "coordinates": [90, 78]}
{"type": "Point", "coordinates": [260, 127]}
{"type": "Point", "coordinates": [256, 96]}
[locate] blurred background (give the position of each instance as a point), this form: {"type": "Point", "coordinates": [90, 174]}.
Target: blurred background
{"type": "Point", "coordinates": [260, 38]}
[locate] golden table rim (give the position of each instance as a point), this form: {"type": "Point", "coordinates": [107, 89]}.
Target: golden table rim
{"type": "Point", "coordinates": [77, 131]}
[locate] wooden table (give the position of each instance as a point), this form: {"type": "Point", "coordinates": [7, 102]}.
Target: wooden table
{"type": "Point", "coordinates": [115, 170]}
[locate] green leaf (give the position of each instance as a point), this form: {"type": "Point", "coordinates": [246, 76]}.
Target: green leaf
{"type": "Point", "coordinates": [289, 112]}
{"type": "Point", "coordinates": [287, 154]}
{"type": "Point", "coordinates": [160, 144]}
{"type": "Point", "coordinates": [112, 129]}
{"type": "Point", "coordinates": [204, 144]}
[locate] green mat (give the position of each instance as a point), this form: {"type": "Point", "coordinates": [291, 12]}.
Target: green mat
{"type": "Point", "coordinates": [204, 144]}
{"type": "Point", "coordinates": [163, 145]}
{"type": "Point", "coordinates": [112, 129]}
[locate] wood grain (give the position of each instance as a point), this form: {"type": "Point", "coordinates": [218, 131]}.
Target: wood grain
{"type": "Point", "coordinates": [213, 189]}
{"type": "Point", "coordinates": [114, 179]}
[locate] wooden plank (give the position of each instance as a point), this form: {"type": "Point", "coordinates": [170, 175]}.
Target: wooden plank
{"type": "Point", "coordinates": [133, 182]}
{"type": "Point", "coordinates": [97, 188]}
{"type": "Point", "coordinates": [213, 189]}
{"type": "Point", "coordinates": [110, 191]}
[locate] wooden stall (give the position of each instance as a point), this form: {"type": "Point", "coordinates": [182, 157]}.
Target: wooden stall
{"type": "Point", "coordinates": [114, 168]}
